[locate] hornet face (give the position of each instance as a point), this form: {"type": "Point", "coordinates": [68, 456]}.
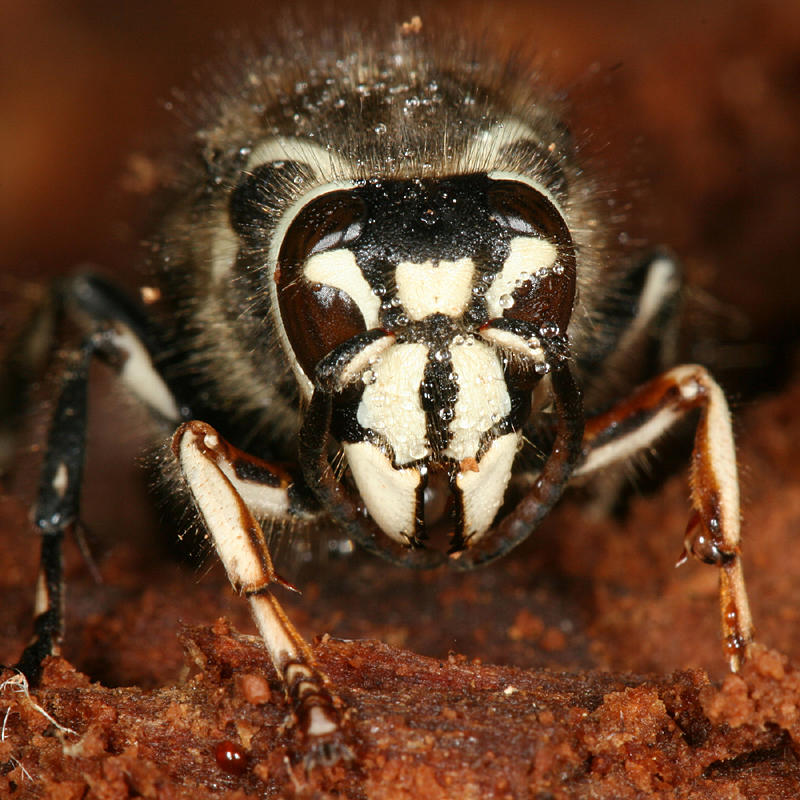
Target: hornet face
{"type": "Point", "coordinates": [372, 266]}
{"type": "Point", "coordinates": [429, 309]}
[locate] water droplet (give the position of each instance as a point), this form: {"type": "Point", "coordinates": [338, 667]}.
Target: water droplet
{"type": "Point", "coordinates": [428, 216]}
{"type": "Point", "coordinates": [368, 377]}
{"type": "Point", "coordinates": [458, 339]}
{"type": "Point", "coordinates": [379, 290]}
{"type": "Point", "coordinates": [541, 368]}
{"type": "Point", "coordinates": [505, 301]}
{"type": "Point", "coordinates": [446, 413]}
{"type": "Point", "coordinates": [558, 269]}
{"type": "Point", "coordinates": [380, 129]}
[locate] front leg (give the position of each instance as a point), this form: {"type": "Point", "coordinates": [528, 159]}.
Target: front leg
{"type": "Point", "coordinates": [713, 533]}
{"type": "Point", "coordinates": [228, 485]}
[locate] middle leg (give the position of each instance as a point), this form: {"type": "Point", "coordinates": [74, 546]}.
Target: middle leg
{"type": "Point", "coordinates": [713, 533]}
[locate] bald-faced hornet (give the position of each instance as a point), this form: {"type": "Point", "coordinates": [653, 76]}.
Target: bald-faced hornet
{"type": "Point", "coordinates": [389, 266]}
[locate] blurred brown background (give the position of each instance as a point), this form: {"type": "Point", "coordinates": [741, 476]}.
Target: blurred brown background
{"type": "Point", "coordinates": [707, 90]}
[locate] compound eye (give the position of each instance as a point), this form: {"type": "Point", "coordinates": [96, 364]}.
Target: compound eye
{"type": "Point", "coordinates": [314, 266]}
{"type": "Point", "coordinates": [537, 283]}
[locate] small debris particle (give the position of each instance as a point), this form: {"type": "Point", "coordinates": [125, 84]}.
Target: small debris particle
{"type": "Point", "coordinates": [150, 294]}
{"type": "Point", "coordinates": [221, 627]}
{"type": "Point", "coordinates": [469, 465]}
{"type": "Point", "coordinates": [412, 26]}
{"type": "Point", "coordinates": [254, 689]}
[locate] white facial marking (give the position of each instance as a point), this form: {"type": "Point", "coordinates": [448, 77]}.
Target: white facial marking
{"type": "Point", "coordinates": [338, 268]}
{"type": "Point", "coordinates": [529, 348]}
{"type": "Point", "coordinates": [426, 289]}
{"type": "Point", "coordinates": [527, 256]}
{"type": "Point", "coordinates": [140, 376]}
{"type": "Point", "coordinates": [325, 163]}
{"type": "Point", "coordinates": [390, 494]}
{"type": "Point", "coordinates": [485, 152]}
{"type": "Point", "coordinates": [482, 397]}
{"type": "Point", "coordinates": [363, 360]}
{"type": "Point", "coordinates": [502, 175]}
{"type": "Point", "coordinates": [391, 405]}
{"type": "Point", "coordinates": [483, 491]}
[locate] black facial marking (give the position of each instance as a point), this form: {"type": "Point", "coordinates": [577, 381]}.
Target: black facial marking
{"type": "Point", "coordinates": [345, 426]}
{"type": "Point", "coordinates": [438, 394]}
{"type": "Point", "coordinates": [423, 220]}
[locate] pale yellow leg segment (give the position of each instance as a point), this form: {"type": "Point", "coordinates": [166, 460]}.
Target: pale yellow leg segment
{"type": "Point", "coordinates": [206, 461]}
{"type": "Point", "coordinates": [715, 498]}
{"type": "Point", "coordinates": [713, 533]}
